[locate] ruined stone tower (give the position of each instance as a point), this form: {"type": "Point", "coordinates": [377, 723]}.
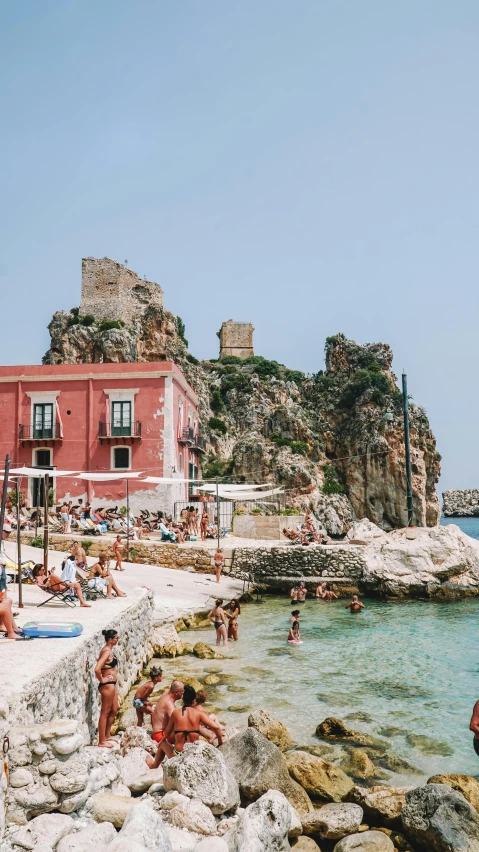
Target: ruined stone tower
{"type": "Point", "coordinates": [110, 291]}
{"type": "Point", "coordinates": [236, 338]}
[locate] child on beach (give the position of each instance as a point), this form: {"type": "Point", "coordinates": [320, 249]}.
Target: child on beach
{"type": "Point", "coordinates": [294, 635]}
{"type": "Point", "coordinates": [142, 694]}
{"type": "Point", "coordinates": [205, 730]}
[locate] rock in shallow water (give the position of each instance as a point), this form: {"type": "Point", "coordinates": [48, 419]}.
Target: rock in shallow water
{"type": "Point", "coordinates": [438, 818]}
{"type": "Point", "coordinates": [273, 730]}
{"type": "Point", "coordinates": [333, 821]}
{"type": "Point", "coordinates": [321, 780]}
{"type": "Point", "coordinates": [464, 784]}
{"type": "Point", "coordinates": [335, 729]}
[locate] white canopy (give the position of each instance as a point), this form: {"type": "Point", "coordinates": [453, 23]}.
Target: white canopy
{"type": "Point", "coordinates": [249, 495]}
{"type": "Point", "coordinates": [225, 486]}
{"type": "Point", "coordinates": [159, 480]}
{"type": "Point", "coordinates": [105, 476]}
{"type": "Point", "coordinates": [40, 471]}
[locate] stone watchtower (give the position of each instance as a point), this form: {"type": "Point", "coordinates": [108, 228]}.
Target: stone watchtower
{"type": "Point", "coordinates": [110, 291]}
{"type": "Point", "coordinates": [236, 338]}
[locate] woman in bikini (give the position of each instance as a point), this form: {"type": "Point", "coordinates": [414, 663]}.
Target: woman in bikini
{"type": "Point", "coordinates": [204, 524]}
{"type": "Point", "coordinates": [294, 636]}
{"type": "Point", "coordinates": [191, 520]}
{"type": "Point", "coordinates": [219, 559]}
{"type": "Point", "coordinates": [218, 617]}
{"type": "Point", "coordinates": [107, 674]}
{"type": "Point", "coordinates": [232, 613]}
{"type": "Point", "coordinates": [118, 548]}
{"type": "Point", "coordinates": [184, 724]}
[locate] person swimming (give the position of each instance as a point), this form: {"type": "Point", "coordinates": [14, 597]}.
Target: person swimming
{"type": "Point", "coordinates": [294, 635]}
{"type": "Point", "coordinates": [355, 605]}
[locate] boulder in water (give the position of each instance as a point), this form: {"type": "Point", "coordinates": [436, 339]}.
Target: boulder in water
{"type": "Point", "coordinates": [273, 730]}
{"type": "Point", "coordinates": [320, 779]}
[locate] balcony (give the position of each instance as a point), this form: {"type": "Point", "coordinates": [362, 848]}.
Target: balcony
{"type": "Point", "coordinates": [200, 444]}
{"type": "Point", "coordinates": [39, 434]}
{"type": "Point", "coordinates": [119, 433]}
{"type": "Point", "coordinates": [187, 436]}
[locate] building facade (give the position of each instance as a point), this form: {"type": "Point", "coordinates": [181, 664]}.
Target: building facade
{"type": "Point", "coordinates": [102, 417]}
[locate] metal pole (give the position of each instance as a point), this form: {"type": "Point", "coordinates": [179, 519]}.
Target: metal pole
{"type": "Point", "coordinates": [4, 499]}
{"type": "Point", "coordinates": [19, 548]}
{"type": "Point", "coordinates": [405, 406]}
{"type": "Point", "coordinates": [217, 513]}
{"type": "Point", "coordinates": [46, 500]}
{"type": "Point", "coordinates": [127, 522]}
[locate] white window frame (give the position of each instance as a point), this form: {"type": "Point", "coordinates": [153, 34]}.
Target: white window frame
{"type": "Point", "coordinates": [122, 395]}
{"type": "Point", "coordinates": [42, 398]}
{"type": "Point", "coordinates": [112, 456]}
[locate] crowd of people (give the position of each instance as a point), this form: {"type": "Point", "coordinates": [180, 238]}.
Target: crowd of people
{"type": "Point", "coordinates": [323, 592]}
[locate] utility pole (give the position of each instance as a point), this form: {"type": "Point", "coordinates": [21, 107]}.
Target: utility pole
{"type": "Point", "coordinates": [19, 547]}
{"type": "Point", "coordinates": [405, 408]}
{"type": "Point", "coordinates": [218, 514]}
{"type": "Point", "coordinates": [46, 501]}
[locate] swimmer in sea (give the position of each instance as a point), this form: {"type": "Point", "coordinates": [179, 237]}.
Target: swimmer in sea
{"type": "Point", "coordinates": [295, 616]}
{"type": "Point", "coordinates": [328, 594]}
{"type": "Point", "coordinates": [474, 727]}
{"type": "Point", "coordinates": [294, 595]}
{"type": "Point", "coordinates": [302, 592]}
{"type": "Point", "coordinates": [320, 590]}
{"type": "Point", "coordinates": [355, 605]}
{"type": "Point", "coordinates": [294, 635]}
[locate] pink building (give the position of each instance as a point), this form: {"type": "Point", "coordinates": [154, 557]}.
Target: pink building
{"type": "Point", "coordinates": [140, 416]}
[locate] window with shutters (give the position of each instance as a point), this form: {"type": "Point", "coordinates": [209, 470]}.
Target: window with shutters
{"type": "Point", "coordinates": [43, 420]}
{"type": "Point", "coordinates": [121, 418]}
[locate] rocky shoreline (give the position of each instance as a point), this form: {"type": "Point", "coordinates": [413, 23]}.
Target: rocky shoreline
{"type": "Point", "coordinates": [461, 503]}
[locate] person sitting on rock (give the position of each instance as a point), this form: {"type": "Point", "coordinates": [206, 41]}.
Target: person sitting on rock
{"type": "Point", "coordinates": [142, 694]}
{"type": "Point", "coordinates": [205, 730]}
{"type": "Point", "coordinates": [164, 707]}
{"type": "Point", "coordinates": [184, 726]}
{"type": "Point", "coordinates": [355, 605]}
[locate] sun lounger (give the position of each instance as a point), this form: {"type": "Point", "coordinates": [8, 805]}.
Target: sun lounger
{"type": "Point", "coordinates": [55, 593]}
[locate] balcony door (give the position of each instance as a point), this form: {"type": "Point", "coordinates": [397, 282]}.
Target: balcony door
{"type": "Point", "coordinates": [121, 418]}
{"type": "Point", "coordinates": [43, 420]}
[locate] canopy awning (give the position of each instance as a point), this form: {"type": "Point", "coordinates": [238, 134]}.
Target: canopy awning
{"type": "Point", "coordinates": [225, 486]}
{"type": "Point", "coordinates": [105, 476]}
{"type": "Point", "coordinates": [168, 480]}
{"type": "Point", "coordinates": [249, 495]}
{"type": "Point", "coordinates": [40, 471]}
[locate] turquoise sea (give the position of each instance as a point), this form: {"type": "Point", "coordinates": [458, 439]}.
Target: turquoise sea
{"type": "Point", "coordinates": [408, 671]}
{"type": "Point", "coordinates": [468, 525]}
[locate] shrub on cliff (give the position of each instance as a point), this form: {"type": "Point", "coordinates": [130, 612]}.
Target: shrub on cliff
{"type": "Point", "coordinates": [217, 425]}
{"type": "Point", "coordinates": [333, 480]}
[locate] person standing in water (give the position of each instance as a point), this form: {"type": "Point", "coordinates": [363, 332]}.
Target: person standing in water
{"type": "Point", "coordinates": [328, 594]}
{"type": "Point", "coordinates": [232, 613]}
{"type": "Point", "coordinates": [302, 592]}
{"type": "Point", "coordinates": [184, 727]}
{"type": "Point", "coordinates": [474, 727]}
{"type": "Point", "coordinates": [355, 605]}
{"type": "Point", "coordinates": [106, 671]}
{"type": "Point", "coordinates": [219, 560]}
{"type": "Point", "coordinates": [294, 595]}
{"type": "Point", "coordinates": [295, 614]}
{"type": "Point", "coordinates": [218, 617]}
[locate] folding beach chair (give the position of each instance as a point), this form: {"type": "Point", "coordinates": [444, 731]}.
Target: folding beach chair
{"type": "Point", "coordinates": [89, 593]}
{"type": "Point", "coordinates": [65, 596]}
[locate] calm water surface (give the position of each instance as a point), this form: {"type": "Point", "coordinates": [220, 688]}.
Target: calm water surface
{"type": "Point", "coordinates": [412, 667]}
{"type": "Point", "coordinates": [468, 525]}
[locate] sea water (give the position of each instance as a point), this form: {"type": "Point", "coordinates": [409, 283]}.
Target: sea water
{"type": "Point", "coordinates": [407, 671]}
{"type": "Point", "coordinates": [468, 525]}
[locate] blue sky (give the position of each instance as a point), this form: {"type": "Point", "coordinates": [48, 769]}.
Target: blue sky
{"type": "Point", "coordinates": [310, 167]}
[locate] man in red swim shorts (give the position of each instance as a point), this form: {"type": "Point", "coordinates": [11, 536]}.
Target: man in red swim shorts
{"type": "Point", "coordinates": [164, 708]}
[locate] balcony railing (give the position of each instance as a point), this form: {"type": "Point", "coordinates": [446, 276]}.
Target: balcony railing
{"type": "Point", "coordinates": [200, 444]}
{"type": "Point", "coordinates": [39, 433]}
{"type": "Point", "coordinates": [108, 430]}
{"type": "Point", "coordinates": [187, 436]}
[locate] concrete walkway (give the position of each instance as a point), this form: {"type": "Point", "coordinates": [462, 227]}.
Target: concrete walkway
{"type": "Point", "coordinates": [176, 592]}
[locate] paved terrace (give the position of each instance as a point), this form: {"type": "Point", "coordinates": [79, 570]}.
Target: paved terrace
{"type": "Point", "coordinates": [176, 592]}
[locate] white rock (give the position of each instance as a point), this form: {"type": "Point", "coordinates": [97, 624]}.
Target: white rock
{"type": "Point", "coordinates": [182, 841]}
{"type": "Point", "coordinates": [20, 777]}
{"type": "Point", "coordinates": [133, 765]}
{"type": "Point", "coordinates": [90, 839]}
{"type": "Point", "coordinates": [43, 847]}
{"type": "Point", "coordinates": [47, 767]}
{"type": "Point", "coordinates": [58, 728]}
{"type": "Point", "coordinates": [333, 821]}
{"type": "Point", "coordinates": [194, 816]}
{"type": "Point", "coordinates": [365, 530]}
{"type": "Point", "coordinates": [36, 800]}
{"type": "Point", "coordinates": [106, 807]}
{"type": "Point", "coordinates": [211, 844]}
{"type": "Point", "coordinates": [72, 803]}
{"type": "Point", "coordinates": [366, 841]}
{"type": "Point", "coordinates": [144, 825]}
{"type": "Point", "coordinates": [120, 789]}
{"type": "Point", "coordinates": [296, 827]}
{"type": "Point", "coordinates": [68, 784]}
{"type": "Point", "coordinates": [40, 749]}
{"type": "Point", "coordinates": [135, 737]}
{"type": "Point", "coordinates": [126, 845]}
{"type": "Point", "coordinates": [46, 828]}
{"type": "Point", "coordinates": [172, 799]}
{"type": "Point", "coordinates": [200, 772]}
{"type": "Point", "coordinates": [264, 825]}
{"type": "Point", "coordinates": [142, 783]}
{"type": "Point", "coordinates": [67, 745]}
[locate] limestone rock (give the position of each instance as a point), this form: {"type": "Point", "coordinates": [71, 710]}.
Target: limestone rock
{"type": "Point", "coordinates": [259, 766]}
{"type": "Point", "coordinates": [335, 729]}
{"type": "Point", "coordinates": [464, 784]}
{"type": "Point", "coordinates": [67, 783]}
{"type": "Point", "coordinates": [36, 800]}
{"type": "Point", "coordinates": [58, 728]}
{"type": "Point", "coordinates": [133, 765]}
{"type": "Point", "coordinates": [273, 730]}
{"type": "Point", "coordinates": [166, 642]}
{"type": "Point", "coordinates": [333, 821]}
{"type": "Point", "coordinates": [135, 737]}
{"type": "Point", "coordinates": [69, 744]}
{"type": "Point", "coordinates": [201, 772]}
{"type": "Point", "coordinates": [381, 804]}
{"type": "Point", "coordinates": [264, 825]}
{"type": "Point", "coordinates": [305, 844]}
{"type": "Point", "coordinates": [90, 839]}
{"type": "Point", "coordinates": [72, 803]}
{"type": "Point", "coordinates": [194, 816]}
{"type": "Point", "coordinates": [143, 782]}
{"type": "Point", "coordinates": [171, 799]}
{"type": "Point", "coordinates": [359, 765]}
{"type": "Point", "coordinates": [144, 825]}
{"type": "Point", "coordinates": [181, 840]}
{"type": "Point", "coordinates": [21, 777]}
{"type": "Point", "coordinates": [438, 818]}
{"type": "Point", "coordinates": [205, 652]}
{"type": "Point", "coordinates": [296, 827]}
{"type": "Point", "coordinates": [212, 844]}
{"type": "Point", "coordinates": [320, 779]}
{"type": "Point", "coordinates": [46, 828]}
{"type": "Point", "coordinates": [106, 807]}
{"type": "Point", "coordinates": [366, 841]}
{"type": "Point", "coordinates": [47, 767]}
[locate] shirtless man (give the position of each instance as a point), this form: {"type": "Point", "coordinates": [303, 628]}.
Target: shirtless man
{"type": "Point", "coordinates": [474, 727]}
{"type": "Point", "coordinates": [164, 707]}
{"type": "Point", "coordinates": [320, 590]}
{"type": "Point", "coordinates": [294, 595]}
{"type": "Point", "coordinates": [184, 727]}
{"type": "Point", "coordinates": [355, 605]}
{"type": "Point", "coordinates": [302, 592]}
{"type": "Point", "coordinates": [100, 578]}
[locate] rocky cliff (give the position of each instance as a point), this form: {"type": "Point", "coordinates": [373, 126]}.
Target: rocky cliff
{"type": "Point", "coordinates": [458, 504]}
{"type": "Point", "coordinates": [333, 440]}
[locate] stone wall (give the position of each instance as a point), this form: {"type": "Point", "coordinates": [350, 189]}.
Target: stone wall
{"type": "Point", "coordinates": [265, 526]}
{"type": "Point", "coordinates": [463, 503]}
{"type": "Point", "coordinates": [279, 566]}
{"type": "Point", "coordinates": [236, 338]}
{"type": "Point", "coordinates": [110, 291]}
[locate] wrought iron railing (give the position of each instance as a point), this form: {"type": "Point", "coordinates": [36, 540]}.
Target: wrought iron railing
{"type": "Point", "coordinates": [39, 433]}
{"type": "Point", "coordinates": [107, 429]}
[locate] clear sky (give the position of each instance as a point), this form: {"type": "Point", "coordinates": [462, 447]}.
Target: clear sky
{"type": "Point", "coordinates": [308, 166]}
